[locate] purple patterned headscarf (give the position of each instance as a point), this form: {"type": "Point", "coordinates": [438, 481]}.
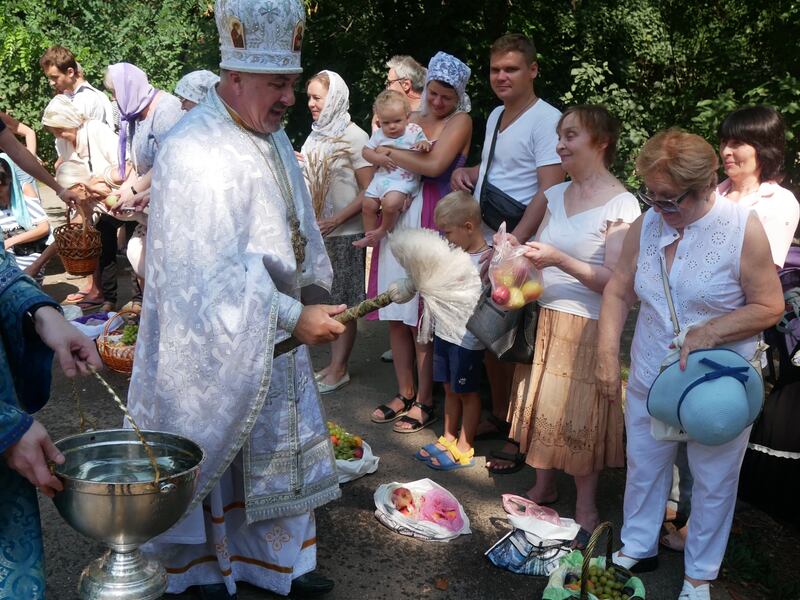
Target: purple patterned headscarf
{"type": "Point", "coordinates": [133, 93]}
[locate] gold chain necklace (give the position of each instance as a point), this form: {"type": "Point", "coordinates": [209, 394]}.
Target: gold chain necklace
{"type": "Point", "coordinates": [299, 239]}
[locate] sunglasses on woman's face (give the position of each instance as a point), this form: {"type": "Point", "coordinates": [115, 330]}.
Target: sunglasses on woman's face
{"type": "Point", "coordinates": [667, 205]}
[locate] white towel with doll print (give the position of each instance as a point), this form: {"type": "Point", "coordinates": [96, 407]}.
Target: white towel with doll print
{"type": "Point", "coordinates": [704, 280]}
{"type": "Point", "coordinates": [413, 518]}
{"type": "Point", "coordinates": [396, 180]}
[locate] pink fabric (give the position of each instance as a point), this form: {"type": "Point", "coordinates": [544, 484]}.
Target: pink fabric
{"type": "Point", "coordinates": [439, 507]}
{"type": "Point", "coordinates": [523, 507]}
{"type": "Point", "coordinates": [778, 211]}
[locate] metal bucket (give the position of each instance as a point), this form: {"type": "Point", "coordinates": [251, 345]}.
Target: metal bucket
{"type": "Point", "coordinates": [118, 505]}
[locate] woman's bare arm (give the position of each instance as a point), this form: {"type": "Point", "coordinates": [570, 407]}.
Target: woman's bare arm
{"type": "Point", "coordinates": [455, 136]}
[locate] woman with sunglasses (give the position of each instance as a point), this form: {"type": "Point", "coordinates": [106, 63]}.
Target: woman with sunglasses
{"type": "Point", "coordinates": [752, 144]}
{"type": "Point", "coordinates": [720, 275]}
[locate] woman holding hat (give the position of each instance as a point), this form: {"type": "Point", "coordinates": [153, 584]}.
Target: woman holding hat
{"type": "Point", "coordinates": [719, 289]}
{"type": "Point", "coordinates": [445, 120]}
{"type": "Point", "coordinates": [333, 166]}
{"type": "Point", "coordinates": [752, 145]}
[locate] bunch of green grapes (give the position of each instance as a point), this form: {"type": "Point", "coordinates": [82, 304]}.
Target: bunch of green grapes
{"type": "Point", "coordinates": [603, 583]}
{"type": "Point", "coordinates": [345, 445]}
{"type": "Point", "coordinates": [129, 334]}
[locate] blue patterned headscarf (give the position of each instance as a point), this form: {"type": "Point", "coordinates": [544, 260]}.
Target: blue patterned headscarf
{"type": "Point", "coordinates": [18, 206]}
{"type": "Point", "coordinates": [447, 68]}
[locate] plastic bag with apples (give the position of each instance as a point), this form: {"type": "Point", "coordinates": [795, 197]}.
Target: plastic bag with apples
{"type": "Point", "coordinates": [515, 281]}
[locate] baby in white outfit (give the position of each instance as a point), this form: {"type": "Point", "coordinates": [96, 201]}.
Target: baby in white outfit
{"type": "Point", "coordinates": [392, 188]}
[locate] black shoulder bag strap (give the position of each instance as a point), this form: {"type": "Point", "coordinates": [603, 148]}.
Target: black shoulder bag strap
{"type": "Point", "coordinates": [491, 151]}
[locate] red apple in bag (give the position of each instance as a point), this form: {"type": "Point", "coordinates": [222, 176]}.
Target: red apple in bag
{"type": "Point", "coordinates": [521, 270]}
{"type": "Point", "coordinates": [500, 295]}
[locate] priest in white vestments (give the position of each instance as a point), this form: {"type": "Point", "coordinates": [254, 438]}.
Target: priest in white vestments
{"type": "Point", "coordinates": [232, 241]}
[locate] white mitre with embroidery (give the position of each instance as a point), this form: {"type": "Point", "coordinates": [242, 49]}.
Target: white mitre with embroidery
{"type": "Point", "coordinates": [261, 36]}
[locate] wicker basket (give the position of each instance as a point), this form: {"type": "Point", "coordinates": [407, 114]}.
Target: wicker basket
{"type": "Point", "coordinates": [622, 574]}
{"type": "Point", "coordinates": [117, 358]}
{"type": "Point", "coordinates": [78, 246]}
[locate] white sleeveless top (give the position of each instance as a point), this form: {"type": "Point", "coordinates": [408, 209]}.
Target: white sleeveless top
{"type": "Point", "coordinates": [704, 281]}
{"type": "Point", "coordinates": [581, 236]}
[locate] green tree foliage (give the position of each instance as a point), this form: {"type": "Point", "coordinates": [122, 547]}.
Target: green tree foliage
{"type": "Point", "coordinates": [654, 63]}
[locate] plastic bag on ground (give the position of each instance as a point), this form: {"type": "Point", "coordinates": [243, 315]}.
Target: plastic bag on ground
{"type": "Point", "coordinates": [348, 470]}
{"type": "Point", "coordinates": [422, 509]}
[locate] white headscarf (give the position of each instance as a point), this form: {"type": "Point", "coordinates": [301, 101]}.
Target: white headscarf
{"type": "Point", "coordinates": [72, 172]}
{"type": "Point", "coordinates": [334, 118]}
{"type": "Point", "coordinates": [195, 85]}
{"type": "Point", "coordinates": [62, 113]}
{"type": "Point", "coordinates": [447, 68]}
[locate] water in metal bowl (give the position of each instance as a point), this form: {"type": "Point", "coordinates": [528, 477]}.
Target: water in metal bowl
{"type": "Point", "coordinates": [109, 490]}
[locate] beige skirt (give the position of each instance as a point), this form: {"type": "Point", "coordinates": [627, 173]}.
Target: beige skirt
{"type": "Point", "coordinates": [555, 413]}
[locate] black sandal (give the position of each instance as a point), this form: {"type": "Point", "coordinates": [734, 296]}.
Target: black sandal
{"type": "Point", "coordinates": [416, 424]}
{"type": "Point", "coordinates": [389, 414]}
{"type": "Point", "coordinates": [501, 430]}
{"type": "Point", "coordinates": [517, 461]}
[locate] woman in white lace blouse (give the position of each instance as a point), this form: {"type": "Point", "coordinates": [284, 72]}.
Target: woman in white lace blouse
{"type": "Point", "coordinates": [722, 281]}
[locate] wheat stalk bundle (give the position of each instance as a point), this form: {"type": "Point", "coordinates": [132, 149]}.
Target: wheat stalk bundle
{"type": "Point", "coordinates": [320, 169]}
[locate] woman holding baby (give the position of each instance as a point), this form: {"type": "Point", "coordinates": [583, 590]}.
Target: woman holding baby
{"type": "Point", "coordinates": [445, 121]}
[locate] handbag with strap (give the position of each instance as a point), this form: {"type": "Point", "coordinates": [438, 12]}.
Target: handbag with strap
{"type": "Point", "coordinates": [508, 334]}
{"type": "Point", "coordinates": [496, 205]}
{"type": "Point", "coordinates": [658, 429]}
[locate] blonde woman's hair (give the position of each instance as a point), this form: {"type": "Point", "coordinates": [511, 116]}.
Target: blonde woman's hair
{"type": "Point", "coordinates": [685, 158]}
{"type": "Point", "coordinates": [323, 78]}
{"type": "Point", "coordinates": [391, 97]}
{"type": "Point", "coordinates": [455, 209]}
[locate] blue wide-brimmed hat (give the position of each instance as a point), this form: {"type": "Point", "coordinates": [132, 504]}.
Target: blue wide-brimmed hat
{"type": "Point", "coordinates": [712, 400]}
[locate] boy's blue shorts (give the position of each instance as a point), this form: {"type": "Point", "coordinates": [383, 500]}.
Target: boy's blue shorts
{"type": "Point", "coordinates": [458, 366]}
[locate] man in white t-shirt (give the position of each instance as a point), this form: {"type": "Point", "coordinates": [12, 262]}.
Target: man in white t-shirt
{"type": "Point", "coordinates": [61, 69]}
{"type": "Point", "coordinates": [525, 161]}
{"type": "Point", "coordinates": [524, 165]}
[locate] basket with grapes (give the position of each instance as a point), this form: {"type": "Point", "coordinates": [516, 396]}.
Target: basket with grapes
{"type": "Point", "coordinates": [116, 347]}
{"type": "Point", "coordinates": [353, 455]}
{"type": "Point", "coordinates": [581, 576]}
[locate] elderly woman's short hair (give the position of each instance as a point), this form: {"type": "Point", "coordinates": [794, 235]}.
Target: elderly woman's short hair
{"type": "Point", "coordinates": [685, 158]}
{"type": "Point", "coordinates": [603, 127]}
{"type": "Point", "coordinates": [72, 172]}
{"type": "Point", "coordinates": [763, 128]}
{"type": "Point", "coordinates": [407, 68]}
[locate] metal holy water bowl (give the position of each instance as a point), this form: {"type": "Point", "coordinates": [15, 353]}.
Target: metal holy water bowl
{"type": "Point", "coordinates": [110, 495]}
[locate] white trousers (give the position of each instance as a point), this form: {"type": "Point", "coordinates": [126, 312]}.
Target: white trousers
{"type": "Point", "coordinates": [648, 484]}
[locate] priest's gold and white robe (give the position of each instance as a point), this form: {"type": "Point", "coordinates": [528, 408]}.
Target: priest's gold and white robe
{"type": "Point", "coordinates": [223, 286]}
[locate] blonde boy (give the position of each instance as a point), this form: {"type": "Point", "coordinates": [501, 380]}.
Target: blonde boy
{"type": "Point", "coordinates": [458, 363]}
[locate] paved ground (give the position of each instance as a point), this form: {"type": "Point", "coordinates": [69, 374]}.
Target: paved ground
{"type": "Point", "coordinates": [365, 559]}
